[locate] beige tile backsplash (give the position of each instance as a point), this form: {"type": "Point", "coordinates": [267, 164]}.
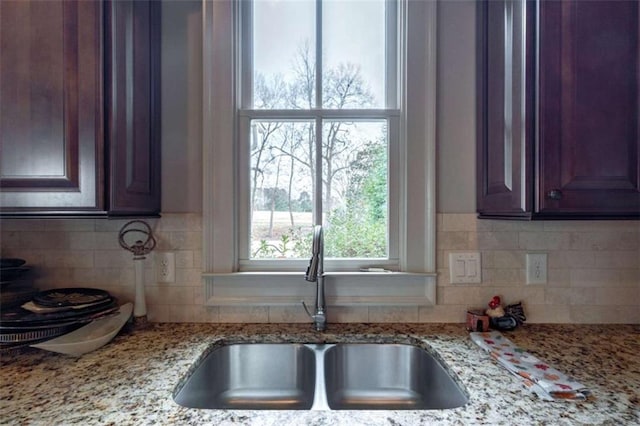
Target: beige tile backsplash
{"type": "Point", "coordinates": [593, 277]}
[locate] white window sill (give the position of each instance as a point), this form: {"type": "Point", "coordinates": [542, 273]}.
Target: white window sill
{"type": "Point", "coordinates": [341, 289]}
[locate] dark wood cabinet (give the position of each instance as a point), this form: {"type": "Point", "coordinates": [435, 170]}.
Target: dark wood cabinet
{"type": "Point", "coordinates": [505, 108]}
{"type": "Point", "coordinates": [133, 102]}
{"type": "Point", "coordinates": [558, 109]}
{"type": "Point", "coordinates": [79, 108]}
{"type": "Point", "coordinates": [51, 136]}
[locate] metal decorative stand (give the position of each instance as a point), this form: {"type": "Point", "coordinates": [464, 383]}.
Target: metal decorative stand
{"type": "Point", "coordinates": [139, 249]}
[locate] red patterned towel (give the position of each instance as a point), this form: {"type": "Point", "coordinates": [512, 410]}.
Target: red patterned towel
{"type": "Point", "coordinates": [542, 379]}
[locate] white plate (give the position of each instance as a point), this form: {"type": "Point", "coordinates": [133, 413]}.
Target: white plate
{"type": "Point", "coordinates": [90, 337]}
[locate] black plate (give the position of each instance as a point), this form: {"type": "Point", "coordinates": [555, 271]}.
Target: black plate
{"type": "Point", "coordinates": [16, 295]}
{"type": "Point", "coordinates": [19, 317]}
{"type": "Point", "coordinates": [12, 274]}
{"type": "Point", "coordinates": [70, 297]}
{"type": "Point", "coordinates": [9, 262]}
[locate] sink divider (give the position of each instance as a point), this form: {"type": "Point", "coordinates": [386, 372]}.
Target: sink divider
{"type": "Point", "coordinates": [320, 395]}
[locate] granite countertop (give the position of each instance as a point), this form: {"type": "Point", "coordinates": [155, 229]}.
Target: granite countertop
{"type": "Point", "coordinates": [132, 379]}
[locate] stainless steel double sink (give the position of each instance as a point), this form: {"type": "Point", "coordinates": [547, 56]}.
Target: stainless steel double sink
{"type": "Point", "coordinates": [341, 376]}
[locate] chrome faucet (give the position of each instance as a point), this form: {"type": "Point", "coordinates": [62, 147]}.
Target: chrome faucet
{"type": "Point", "coordinates": [315, 273]}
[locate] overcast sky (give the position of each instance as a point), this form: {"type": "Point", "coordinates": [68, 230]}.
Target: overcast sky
{"type": "Point", "coordinates": [356, 35]}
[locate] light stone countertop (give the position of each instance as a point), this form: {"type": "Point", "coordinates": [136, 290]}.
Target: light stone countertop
{"type": "Point", "coordinates": [131, 380]}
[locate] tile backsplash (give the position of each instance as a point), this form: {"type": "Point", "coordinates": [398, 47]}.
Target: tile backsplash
{"type": "Point", "coordinates": [593, 267]}
{"type": "Point", "coordinates": [593, 275]}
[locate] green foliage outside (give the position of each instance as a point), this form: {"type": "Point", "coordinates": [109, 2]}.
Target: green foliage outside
{"type": "Point", "coordinates": [358, 230]}
{"type": "Point", "coordinates": [348, 236]}
{"type": "Point", "coordinates": [294, 244]}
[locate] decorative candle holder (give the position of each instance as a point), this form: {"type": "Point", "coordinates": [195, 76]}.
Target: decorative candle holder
{"type": "Point", "coordinates": [140, 249]}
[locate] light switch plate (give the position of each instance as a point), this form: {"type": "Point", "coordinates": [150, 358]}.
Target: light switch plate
{"type": "Point", "coordinates": [465, 268]}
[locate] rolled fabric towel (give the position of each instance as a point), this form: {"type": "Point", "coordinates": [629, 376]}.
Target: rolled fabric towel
{"type": "Point", "coordinates": [543, 380]}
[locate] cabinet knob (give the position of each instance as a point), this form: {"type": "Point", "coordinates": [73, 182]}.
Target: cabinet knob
{"type": "Point", "coordinates": [555, 194]}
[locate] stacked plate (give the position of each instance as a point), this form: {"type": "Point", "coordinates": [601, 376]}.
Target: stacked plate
{"type": "Point", "coordinates": [15, 287]}
{"type": "Point", "coordinates": [11, 269]}
{"type": "Point", "coordinates": [52, 313]}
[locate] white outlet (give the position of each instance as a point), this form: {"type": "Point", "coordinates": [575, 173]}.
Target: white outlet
{"type": "Point", "coordinates": [536, 268]}
{"type": "Point", "coordinates": [464, 268]}
{"type": "Point", "coordinates": [165, 267]}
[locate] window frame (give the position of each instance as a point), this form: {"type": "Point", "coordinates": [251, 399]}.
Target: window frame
{"type": "Point", "coordinates": [392, 261]}
{"type": "Point", "coordinates": [225, 283]}
{"type": "Point", "coordinates": [318, 115]}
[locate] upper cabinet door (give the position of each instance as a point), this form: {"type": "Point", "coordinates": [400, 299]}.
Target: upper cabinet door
{"type": "Point", "coordinates": [589, 129]}
{"type": "Point", "coordinates": [505, 106]}
{"type": "Point", "coordinates": [51, 114]}
{"type": "Point", "coordinates": [558, 109]}
{"type": "Point", "coordinates": [80, 108]}
{"type": "Point", "coordinates": [133, 98]}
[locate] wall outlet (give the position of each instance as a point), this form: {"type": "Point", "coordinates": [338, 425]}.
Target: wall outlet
{"type": "Point", "coordinates": [464, 268]}
{"type": "Point", "coordinates": [536, 268]}
{"type": "Point", "coordinates": [165, 267]}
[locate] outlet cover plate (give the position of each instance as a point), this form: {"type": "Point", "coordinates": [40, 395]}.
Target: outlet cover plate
{"type": "Point", "coordinates": [165, 267]}
{"type": "Point", "coordinates": [536, 268]}
{"type": "Point", "coordinates": [465, 268]}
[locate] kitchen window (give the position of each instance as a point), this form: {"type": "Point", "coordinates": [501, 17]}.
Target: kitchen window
{"type": "Point", "coordinates": [318, 132]}
{"type": "Point", "coordinates": [317, 112]}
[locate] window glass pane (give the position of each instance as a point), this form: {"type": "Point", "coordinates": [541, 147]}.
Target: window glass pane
{"type": "Point", "coordinates": [355, 190]}
{"type": "Point", "coordinates": [354, 193]}
{"type": "Point", "coordinates": [282, 163]}
{"type": "Point", "coordinates": [284, 54]}
{"type": "Point", "coordinates": [353, 58]}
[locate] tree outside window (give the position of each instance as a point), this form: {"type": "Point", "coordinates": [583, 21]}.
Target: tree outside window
{"type": "Point", "coordinates": [290, 126]}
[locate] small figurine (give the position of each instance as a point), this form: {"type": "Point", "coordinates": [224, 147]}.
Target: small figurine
{"type": "Point", "coordinates": [495, 308]}
{"type": "Point", "coordinates": [504, 318]}
{"type": "Point", "coordinates": [516, 311]}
